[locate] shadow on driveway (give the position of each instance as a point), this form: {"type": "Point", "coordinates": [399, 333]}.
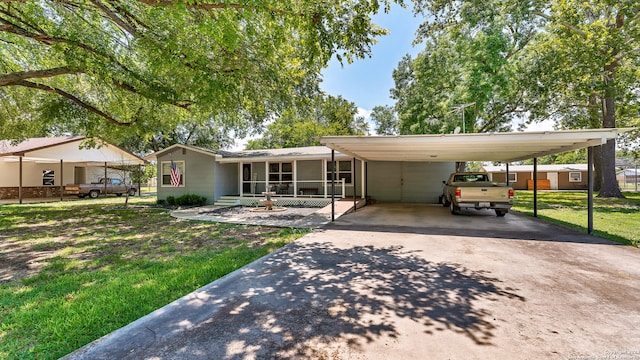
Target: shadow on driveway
{"type": "Point", "coordinates": [314, 300]}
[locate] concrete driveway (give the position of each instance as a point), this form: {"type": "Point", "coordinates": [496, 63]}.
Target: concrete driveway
{"type": "Point", "coordinates": [407, 282]}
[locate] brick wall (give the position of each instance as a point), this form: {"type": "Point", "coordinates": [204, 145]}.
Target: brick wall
{"type": "Point", "coordinates": [30, 192]}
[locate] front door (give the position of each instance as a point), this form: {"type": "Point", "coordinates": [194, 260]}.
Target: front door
{"type": "Point", "coordinates": [553, 180]}
{"type": "Point", "coordinates": [246, 178]}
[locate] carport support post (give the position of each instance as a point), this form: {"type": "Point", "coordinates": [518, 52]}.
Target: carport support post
{"type": "Point", "coordinates": [139, 180]}
{"type": "Point", "coordinates": [61, 180]}
{"type": "Point", "coordinates": [366, 180]}
{"type": "Point", "coordinates": [20, 182]}
{"type": "Point", "coordinates": [590, 190]}
{"type": "Point", "coordinates": [507, 175]}
{"type": "Point", "coordinates": [333, 185]}
{"type": "Point", "coordinates": [535, 187]}
{"type": "Point", "coordinates": [354, 185]}
{"type": "Point", "coordinates": [105, 178]}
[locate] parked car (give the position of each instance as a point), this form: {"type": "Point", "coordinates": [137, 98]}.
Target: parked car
{"type": "Point", "coordinates": [104, 186]}
{"type": "Point", "coordinates": [475, 190]}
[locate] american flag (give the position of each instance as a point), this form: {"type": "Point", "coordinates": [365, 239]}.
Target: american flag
{"type": "Point", "coordinates": [175, 174]}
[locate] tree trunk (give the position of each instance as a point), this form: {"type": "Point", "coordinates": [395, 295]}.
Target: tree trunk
{"type": "Point", "coordinates": [609, 188]}
{"type": "Point", "coordinates": [597, 167]}
{"type": "Point", "coordinates": [595, 121]}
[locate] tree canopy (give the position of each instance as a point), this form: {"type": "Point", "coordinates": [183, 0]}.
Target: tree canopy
{"type": "Point", "coordinates": [324, 115]}
{"type": "Point", "coordinates": [571, 61]}
{"type": "Point", "coordinates": [138, 68]}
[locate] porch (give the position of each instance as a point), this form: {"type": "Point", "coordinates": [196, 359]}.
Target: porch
{"type": "Point", "coordinates": [299, 179]}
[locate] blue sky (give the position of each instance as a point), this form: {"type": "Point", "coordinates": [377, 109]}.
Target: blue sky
{"type": "Point", "coordinates": [367, 82]}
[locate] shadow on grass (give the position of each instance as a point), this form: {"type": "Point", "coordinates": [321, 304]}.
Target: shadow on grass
{"type": "Point", "coordinates": [315, 301]}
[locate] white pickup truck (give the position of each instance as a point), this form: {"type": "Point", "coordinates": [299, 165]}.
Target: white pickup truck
{"type": "Point", "coordinates": [475, 190]}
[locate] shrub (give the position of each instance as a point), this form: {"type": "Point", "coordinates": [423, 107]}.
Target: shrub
{"type": "Point", "coordinates": [190, 199]}
{"type": "Point", "coordinates": [171, 200]}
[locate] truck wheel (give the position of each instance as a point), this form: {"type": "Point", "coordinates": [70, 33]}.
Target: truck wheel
{"type": "Point", "coordinates": [455, 210]}
{"type": "Point", "coordinates": [445, 202]}
{"type": "Point", "coordinates": [501, 212]}
{"type": "Point", "coordinates": [132, 192]}
{"type": "Point", "coordinates": [94, 194]}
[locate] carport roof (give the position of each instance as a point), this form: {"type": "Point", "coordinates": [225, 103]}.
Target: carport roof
{"type": "Point", "coordinates": [499, 147]}
{"type": "Point", "coordinates": [66, 148]}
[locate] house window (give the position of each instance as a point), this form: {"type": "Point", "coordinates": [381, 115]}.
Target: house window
{"type": "Point", "coordinates": [166, 173]}
{"type": "Point", "coordinates": [48, 177]}
{"type": "Point", "coordinates": [343, 171]}
{"type": "Point", "coordinates": [280, 172]}
{"type": "Point", "coordinates": [575, 176]}
{"type": "Point", "coordinates": [513, 177]}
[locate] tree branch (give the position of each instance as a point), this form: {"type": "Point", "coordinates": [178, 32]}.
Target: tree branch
{"type": "Point", "coordinates": [10, 79]}
{"type": "Point", "coordinates": [74, 99]}
{"type": "Point", "coordinates": [115, 18]}
{"type": "Point", "coordinates": [570, 27]}
{"type": "Point", "coordinates": [222, 6]}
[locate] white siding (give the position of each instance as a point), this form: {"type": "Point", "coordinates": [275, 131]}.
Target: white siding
{"type": "Point", "coordinates": [32, 173]}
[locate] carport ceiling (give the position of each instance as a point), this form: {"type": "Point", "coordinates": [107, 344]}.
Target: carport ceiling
{"type": "Point", "coordinates": [499, 147]}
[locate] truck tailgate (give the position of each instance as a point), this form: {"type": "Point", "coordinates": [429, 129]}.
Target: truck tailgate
{"type": "Point", "coordinates": [487, 193]}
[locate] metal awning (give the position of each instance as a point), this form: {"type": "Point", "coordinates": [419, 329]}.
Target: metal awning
{"type": "Point", "coordinates": [496, 147]}
{"type": "Point", "coordinates": [69, 149]}
{"type": "Point", "coordinates": [499, 147]}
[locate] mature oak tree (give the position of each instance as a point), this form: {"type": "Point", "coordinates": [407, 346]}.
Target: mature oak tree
{"type": "Point", "coordinates": [139, 68]}
{"type": "Point", "coordinates": [560, 54]}
{"type": "Point", "coordinates": [385, 119]}
{"type": "Point", "coordinates": [324, 115]}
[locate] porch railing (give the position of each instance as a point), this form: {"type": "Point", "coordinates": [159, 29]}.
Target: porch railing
{"type": "Point", "coordinates": [301, 188]}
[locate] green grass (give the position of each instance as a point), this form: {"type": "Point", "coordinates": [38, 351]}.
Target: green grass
{"type": "Point", "coordinates": [72, 272]}
{"type": "Point", "coordinates": [615, 219]}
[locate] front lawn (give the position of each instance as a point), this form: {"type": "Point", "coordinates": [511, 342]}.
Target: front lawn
{"type": "Point", "coordinates": [71, 272]}
{"type": "Point", "coordinates": [615, 219]}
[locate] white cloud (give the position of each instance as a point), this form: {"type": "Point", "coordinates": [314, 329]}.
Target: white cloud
{"type": "Point", "coordinates": [364, 113]}
{"type": "Point", "coordinates": [546, 125]}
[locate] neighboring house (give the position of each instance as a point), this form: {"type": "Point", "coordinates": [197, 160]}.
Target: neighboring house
{"type": "Point", "coordinates": [550, 177]}
{"type": "Point", "coordinates": [297, 174]}
{"type": "Point", "coordinates": [628, 176]}
{"type": "Point", "coordinates": [40, 167]}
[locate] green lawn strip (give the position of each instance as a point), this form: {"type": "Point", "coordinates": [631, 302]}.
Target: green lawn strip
{"type": "Point", "coordinates": [614, 219]}
{"type": "Point", "coordinates": [113, 268]}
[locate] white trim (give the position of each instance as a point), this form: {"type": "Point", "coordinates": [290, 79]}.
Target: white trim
{"type": "Point", "coordinates": [295, 178]}
{"type": "Point", "coordinates": [575, 172]}
{"type": "Point", "coordinates": [324, 176]}
{"type": "Point", "coordinates": [500, 147]}
{"type": "Point", "coordinates": [182, 173]}
{"type": "Point", "coordinates": [338, 172]}
{"type": "Point", "coordinates": [241, 177]}
{"type": "Point", "coordinates": [515, 177]}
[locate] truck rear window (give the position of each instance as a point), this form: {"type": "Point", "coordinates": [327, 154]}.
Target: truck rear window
{"type": "Point", "coordinates": [470, 178]}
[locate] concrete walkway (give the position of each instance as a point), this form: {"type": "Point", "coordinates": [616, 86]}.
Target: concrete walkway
{"type": "Point", "coordinates": [362, 289]}
{"type": "Point", "coordinates": [292, 217]}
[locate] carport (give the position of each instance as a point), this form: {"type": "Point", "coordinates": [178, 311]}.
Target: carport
{"type": "Point", "coordinates": [58, 152]}
{"type": "Point", "coordinates": [495, 147]}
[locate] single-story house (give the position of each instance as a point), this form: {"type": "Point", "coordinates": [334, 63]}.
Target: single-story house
{"type": "Point", "coordinates": [407, 168]}
{"type": "Point", "coordinates": [41, 167]}
{"type": "Point", "coordinates": [628, 176]}
{"type": "Point", "coordinates": [299, 174]}
{"type": "Point", "coordinates": [550, 177]}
